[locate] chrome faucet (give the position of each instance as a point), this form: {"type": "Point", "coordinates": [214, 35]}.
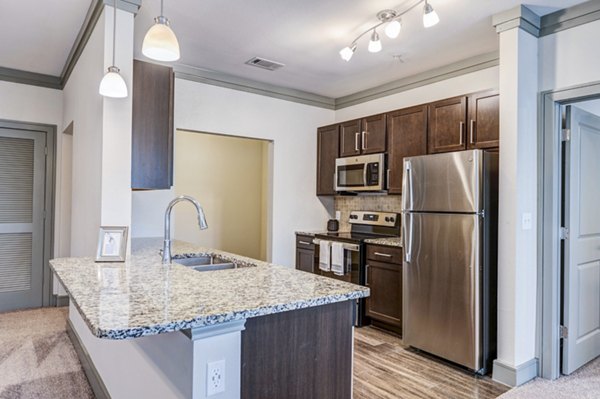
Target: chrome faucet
{"type": "Point", "coordinates": [201, 222]}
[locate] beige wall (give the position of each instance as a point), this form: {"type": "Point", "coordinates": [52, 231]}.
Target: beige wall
{"type": "Point", "coordinates": [228, 176]}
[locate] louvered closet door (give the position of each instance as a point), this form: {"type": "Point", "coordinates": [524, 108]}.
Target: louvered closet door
{"type": "Point", "coordinates": [22, 169]}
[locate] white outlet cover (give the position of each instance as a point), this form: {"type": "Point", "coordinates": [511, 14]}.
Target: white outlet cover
{"type": "Point", "coordinates": [215, 377]}
{"type": "Point", "coordinates": [526, 221]}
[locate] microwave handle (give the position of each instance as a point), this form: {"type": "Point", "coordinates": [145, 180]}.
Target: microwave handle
{"type": "Point", "coordinates": [335, 180]}
{"type": "Point", "coordinates": [365, 174]}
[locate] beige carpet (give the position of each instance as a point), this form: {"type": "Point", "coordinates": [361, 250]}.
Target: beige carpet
{"type": "Point", "coordinates": [37, 359]}
{"type": "Point", "coordinates": [584, 384]}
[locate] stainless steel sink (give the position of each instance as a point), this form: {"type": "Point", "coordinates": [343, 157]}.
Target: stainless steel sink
{"type": "Point", "coordinates": [206, 263]}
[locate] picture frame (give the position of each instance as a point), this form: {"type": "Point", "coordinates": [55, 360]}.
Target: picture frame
{"type": "Point", "coordinates": [112, 244]}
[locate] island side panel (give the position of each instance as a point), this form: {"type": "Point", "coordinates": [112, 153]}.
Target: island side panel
{"type": "Point", "coordinates": [299, 354]}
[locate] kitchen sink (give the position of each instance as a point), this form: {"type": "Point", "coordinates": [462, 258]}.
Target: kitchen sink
{"type": "Point", "coordinates": [206, 263]}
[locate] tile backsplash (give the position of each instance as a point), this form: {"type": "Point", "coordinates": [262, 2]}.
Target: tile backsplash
{"type": "Point", "coordinates": [346, 204]}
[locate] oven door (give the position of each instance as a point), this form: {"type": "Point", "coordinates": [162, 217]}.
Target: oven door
{"type": "Point", "coordinates": [351, 264]}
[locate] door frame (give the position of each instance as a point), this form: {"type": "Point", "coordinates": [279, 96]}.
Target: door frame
{"type": "Point", "coordinates": [49, 204]}
{"type": "Point", "coordinates": [549, 208]}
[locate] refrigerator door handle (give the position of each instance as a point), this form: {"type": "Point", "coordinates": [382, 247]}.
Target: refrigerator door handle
{"type": "Point", "coordinates": [407, 236]}
{"type": "Point", "coordinates": [407, 186]}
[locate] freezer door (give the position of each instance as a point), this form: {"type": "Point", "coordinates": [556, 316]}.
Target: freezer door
{"type": "Point", "coordinates": [448, 182]}
{"type": "Point", "coordinates": [441, 286]}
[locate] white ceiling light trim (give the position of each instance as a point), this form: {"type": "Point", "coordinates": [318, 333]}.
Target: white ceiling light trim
{"type": "Point", "coordinates": [160, 42]}
{"type": "Point", "coordinates": [390, 18]}
{"type": "Point", "coordinates": [112, 84]}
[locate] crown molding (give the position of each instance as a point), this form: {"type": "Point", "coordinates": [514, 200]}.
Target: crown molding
{"type": "Point", "coordinates": [30, 78]}
{"type": "Point", "coordinates": [517, 17]}
{"type": "Point", "coordinates": [571, 17]}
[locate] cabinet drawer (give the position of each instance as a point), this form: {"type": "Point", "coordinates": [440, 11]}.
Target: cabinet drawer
{"type": "Point", "coordinates": [305, 242]}
{"type": "Point", "coordinates": [384, 254]}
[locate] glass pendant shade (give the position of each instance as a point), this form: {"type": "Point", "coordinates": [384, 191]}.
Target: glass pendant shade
{"type": "Point", "coordinates": [430, 17]}
{"type": "Point", "coordinates": [392, 30]}
{"type": "Point", "coordinates": [160, 42]}
{"type": "Point", "coordinates": [112, 84]}
{"type": "Point", "coordinates": [375, 43]}
{"type": "Point", "coordinates": [347, 52]}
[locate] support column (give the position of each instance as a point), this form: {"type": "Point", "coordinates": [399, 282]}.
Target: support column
{"type": "Point", "coordinates": [517, 233]}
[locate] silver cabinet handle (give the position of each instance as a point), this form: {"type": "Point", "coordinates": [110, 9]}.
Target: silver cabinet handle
{"type": "Point", "coordinates": [388, 179]}
{"type": "Point", "coordinates": [460, 131]}
{"type": "Point", "coordinates": [472, 132]}
{"type": "Point", "coordinates": [356, 137]}
{"type": "Point", "coordinates": [382, 254]}
{"type": "Point", "coordinates": [364, 140]}
{"type": "Point", "coordinates": [303, 242]}
{"type": "Point", "coordinates": [366, 274]}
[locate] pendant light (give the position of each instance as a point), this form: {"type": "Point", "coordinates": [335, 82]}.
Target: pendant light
{"type": "Point", "coordinates": [160, 42]}
{"type": "Point", "coordinates": [112, 84]}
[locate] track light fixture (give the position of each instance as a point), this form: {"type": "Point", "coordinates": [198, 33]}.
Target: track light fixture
{"type": "Point", "coordinates": [393, 26]}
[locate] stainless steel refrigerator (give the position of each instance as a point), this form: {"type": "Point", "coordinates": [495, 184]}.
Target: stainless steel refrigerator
{"type": "Point", "coordinates": [449, 211]}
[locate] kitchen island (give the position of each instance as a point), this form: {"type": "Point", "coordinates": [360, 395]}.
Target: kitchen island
{"type": "Point", "coordinates": [260, 330]}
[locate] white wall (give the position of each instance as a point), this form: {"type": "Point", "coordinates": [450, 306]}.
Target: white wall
{"type": "Point", "coordinates": [225, 174]}
{"type": "Point", "coordinates": [101, 176]}
{"type": "Point", "coordinates": [570, 57]}
{"type": "Point", "coordinates": [292, 128]}
{"type": "Point", "coordinates": [459, 85]}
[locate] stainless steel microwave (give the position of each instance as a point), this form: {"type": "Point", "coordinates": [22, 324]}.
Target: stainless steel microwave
{"type": "Point", "coordinates": [360, 173]}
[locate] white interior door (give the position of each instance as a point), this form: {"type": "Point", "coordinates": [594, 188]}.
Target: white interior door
{"type": "Point", "coordinates": [581, 299]}
{"type": "Point", "coordinates": [22, 170]}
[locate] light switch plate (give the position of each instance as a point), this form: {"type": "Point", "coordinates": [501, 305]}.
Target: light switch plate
{"type": "Point", "coordinates": [338, 215]}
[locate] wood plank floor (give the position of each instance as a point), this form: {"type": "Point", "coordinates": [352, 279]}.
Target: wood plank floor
{"type": "Point", "coordinates": [385, 369]}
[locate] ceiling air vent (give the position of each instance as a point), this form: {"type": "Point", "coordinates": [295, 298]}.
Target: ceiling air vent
{"type": "Point", "coordinates": [264, 64]}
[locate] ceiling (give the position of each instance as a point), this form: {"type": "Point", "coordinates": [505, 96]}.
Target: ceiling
{"type": "Point", "coordinates": [306, 36]}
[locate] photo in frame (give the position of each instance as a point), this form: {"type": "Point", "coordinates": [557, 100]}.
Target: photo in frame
{"type": "Point", "coordinates": [112, 244]}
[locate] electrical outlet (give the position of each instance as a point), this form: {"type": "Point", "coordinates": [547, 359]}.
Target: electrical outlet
{"type": "Point", "coordinates": [215, 377]}
{"type": "Point", "coordinates": [526, 221]}
{"type": "Point", "coordinates": [338, 215]}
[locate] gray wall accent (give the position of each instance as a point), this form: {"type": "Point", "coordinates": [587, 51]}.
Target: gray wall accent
{"type": "Point", "coordinates": [512, 376]}
{"type": "Point", "coordinates": [62, 300]}
{"type": "Point", "coordinates": [132, 6]}
{"type": "Point", "coordinates": [570, 17]}
{"type": "Point", "coordinates": [518, 17]}
{"type": "Point", "coordinates": [91, 373]}
{"type": "Point", "coordinates": [252, 86]}
{"type": "Point", "coordinates": [424, 78]}
{"type": "Point", "coordinates": [30, 78]}
{"type": "Point", "coordinates": [549, 253]}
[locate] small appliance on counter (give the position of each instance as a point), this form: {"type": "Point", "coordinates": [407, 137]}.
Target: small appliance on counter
{"type": "Point", "coordinates": [342, 254]}
{"type": "Point", "coordinates": [333, 225]}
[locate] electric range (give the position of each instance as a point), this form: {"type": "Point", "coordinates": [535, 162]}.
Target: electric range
{"type": "Point", "coordinates": [363, 225]}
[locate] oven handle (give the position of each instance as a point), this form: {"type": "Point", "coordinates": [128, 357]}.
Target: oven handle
{"type": "Point", "coordinates": [346, 246]}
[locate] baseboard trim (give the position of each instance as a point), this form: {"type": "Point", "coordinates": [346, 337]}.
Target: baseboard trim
{"type": "Point", "coordinates": [89, 369]}
{"type": "Point", "coordinates": [515, 376]}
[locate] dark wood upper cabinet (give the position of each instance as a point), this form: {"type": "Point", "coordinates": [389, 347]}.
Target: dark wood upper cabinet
{"type": "Point", "coordinates": [407, 137]}
{"type": "Point", "coordinates": [484, 120]}
{"type": "Point", "coordinates": [328, 143]}
{"type": "Point", "coordinates": [363, 136]}
{"type": "Point", "coordinates": [152, 127]}
{"type": "Point", "coordinates": [350, 136]}
{"type": "Point", "coordinates": [384, 278]}
{"type": "Point", "coordinates": [447, 122]}
{"type": "Point", "coordinates": [372, 137]}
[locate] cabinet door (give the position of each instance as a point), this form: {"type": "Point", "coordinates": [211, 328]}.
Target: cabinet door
{"type": "Point", "coordinates": [385, 302]}
{"type": "Point", "coordinates": [447, 125]}
{"type": "Point", "coordinates": [328, 143]}
{"type": "Point", "coordinates": [484, 120]}
{"type": "Point", "coordinates": [350, 138]}
{"type": "Point", "coordinates": [305, 260]}
{"type": "Point", "coordinates": [407, 137]}
{"type": "Point", "coordinates": [152, 126]}
{"type": "Point", "coordinates": [373, 138]}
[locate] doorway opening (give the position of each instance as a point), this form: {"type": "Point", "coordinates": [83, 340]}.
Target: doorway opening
{"type": "Point", "coordinates": [231, 177]}
{"type": "Point", "coordinates": [26, 214]}
{"type": "Point", "coordinates": [569, 297]}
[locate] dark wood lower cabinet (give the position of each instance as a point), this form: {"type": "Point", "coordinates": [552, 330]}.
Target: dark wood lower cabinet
{"type": "Point", "coordinates": [306, 256]}
{"type": "Point", "coordinates": [302, 354]}
{"type": "Point", "coordinates": [384, 278]}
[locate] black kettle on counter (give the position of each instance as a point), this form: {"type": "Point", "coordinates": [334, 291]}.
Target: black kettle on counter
{"type": "Point", "coordinates": [333, 225]}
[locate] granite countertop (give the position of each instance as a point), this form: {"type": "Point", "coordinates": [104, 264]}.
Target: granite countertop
{"type": "Point", "coordinates": [387, 241]}
{"type": "Point", "coordinates": [142, 297]}
{"type": "Point", "coordinates": [310, 233]}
